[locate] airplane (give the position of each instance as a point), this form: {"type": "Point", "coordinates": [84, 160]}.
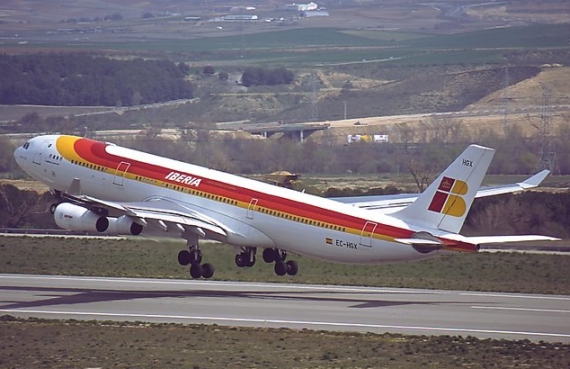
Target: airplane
{"type": "Point", "coordinates": [105, 188]}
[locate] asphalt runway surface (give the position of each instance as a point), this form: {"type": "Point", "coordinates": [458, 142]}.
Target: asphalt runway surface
{"type": "Point", "coordinates": [337, 308]}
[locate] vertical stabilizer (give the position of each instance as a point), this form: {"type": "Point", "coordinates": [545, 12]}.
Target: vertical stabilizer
{"type": "Point", "coordinates": [446, 202]}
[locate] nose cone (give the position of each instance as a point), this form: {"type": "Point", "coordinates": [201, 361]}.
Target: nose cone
{"type": "Point", "coordinates": [18, 155]}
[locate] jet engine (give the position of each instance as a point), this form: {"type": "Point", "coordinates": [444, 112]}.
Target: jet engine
{"type": "Point", "coordinates": [124, 225]}
{"type": "Point", "coordinates": [77, 218]}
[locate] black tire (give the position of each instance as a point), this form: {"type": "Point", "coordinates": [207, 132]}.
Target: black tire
{"type": "Point", "coordinates": [240, 260]}
{"type": "Point", "coordinates": [269, 255]}
{"type": "Point", "coordinates": [207, 270]}
{"type": "Point", "coordinates": [195, 271]}
{"type": "Point", "coordinates": [52, 207]}
{"type": "Point", "coordinates": [184, 257]}
{"type": "Point", "coordinates": [292, 267]}
{"type": "Point", "coordinates": [280, 268]}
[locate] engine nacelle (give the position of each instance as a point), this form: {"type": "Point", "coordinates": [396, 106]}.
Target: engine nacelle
{"type": "Point", "coordinates": [124, 225]}
{"type": "Point", "coordinates": [77, 218]}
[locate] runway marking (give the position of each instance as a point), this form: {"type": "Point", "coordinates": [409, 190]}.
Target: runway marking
{"type": "Point", "coordinates": [147, 281]}
{"type": "Point", "coordinates": [515, 296]}
{"type": "Point", "coordinates": [521, 309]}
{"type": "Point", "coordinates": [291, 322]}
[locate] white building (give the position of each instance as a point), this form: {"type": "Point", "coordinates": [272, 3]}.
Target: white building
{"type": "Point", "coordinates": [302, 7]}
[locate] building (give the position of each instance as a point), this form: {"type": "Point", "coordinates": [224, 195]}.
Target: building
{"type": "Point", "coordinates": [302, 7]}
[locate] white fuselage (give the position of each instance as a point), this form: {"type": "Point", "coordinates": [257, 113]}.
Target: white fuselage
{"type": "Point", "coordinates": [255, 213]}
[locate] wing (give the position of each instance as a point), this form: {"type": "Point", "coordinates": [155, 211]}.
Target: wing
{"type": "Point", "coordinates": [391, 203]}
{"type": "Point", "coordinates": [160, 212]}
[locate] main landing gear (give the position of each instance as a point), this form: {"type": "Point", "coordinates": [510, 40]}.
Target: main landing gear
{"type": "Point", "coordinates": [246, 258]}
{"type": "Point", "coordinates": [193, 257]}
{"type": "Point", "coordinates": [281, 267]}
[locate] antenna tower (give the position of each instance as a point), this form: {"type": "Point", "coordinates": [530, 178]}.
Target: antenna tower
{"type": "Point", "coordinates": [546, 151]}
{"type": "Point", "coordinates": [506, 98]}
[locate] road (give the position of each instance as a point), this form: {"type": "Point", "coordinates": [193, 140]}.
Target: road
{"type": "Point", "coordinates": [339, 308]}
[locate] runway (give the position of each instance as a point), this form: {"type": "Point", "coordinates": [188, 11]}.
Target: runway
{"type": "Point", "coordinates": [338, 308]}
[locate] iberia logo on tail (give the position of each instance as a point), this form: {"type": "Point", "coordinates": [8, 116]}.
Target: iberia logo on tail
{"type": "Point", "coordinates": [448, 197]}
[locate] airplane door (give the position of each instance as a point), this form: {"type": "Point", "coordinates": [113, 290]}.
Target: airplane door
{"type": "Point", "coordinates": [366, 234]}
{"type": "Point", "coordinates": [251, 208]}
{"type": "Point", "coordinates": [38, 154]}
{"type": "Point", "coordinates": [120, 172]}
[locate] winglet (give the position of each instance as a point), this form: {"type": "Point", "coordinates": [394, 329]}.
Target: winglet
{"type": "Point", "coordinates": [535, 180]}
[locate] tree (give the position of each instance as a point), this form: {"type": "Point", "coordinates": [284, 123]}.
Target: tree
{"type": "Point", "coordinates": [209, 70]}
{"type": "Point", "coordinates": [7, 163]}
{"type": "Point", "coordinates": [17, 205]}
{"type": "Point", "coordinates": [56, 79]}
{"type": "Point", "coordinates": [223, 76]}
{"type": "Point", "coordinates": [255, 76]}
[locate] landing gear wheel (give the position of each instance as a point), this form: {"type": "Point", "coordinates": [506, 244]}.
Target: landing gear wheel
{"type": "Point", "coordinates": [280, 268]}
{"type": "Point", "coordinates": [269, 255]}
{"type": "Point", "coordinates": [207, 270]}
{"type": "Point", "coordinates": [240, 260]}
{"type": "Point", "coordinates": [196, 271]}
{"type": "Point", "coordinates": [52, 207]}
{"type": "Point", "coordinates": [246, 258]}
{"type": "Point", "coordinates": [292, 267]}
{"type": "Point", "coordinates": [184, 257]}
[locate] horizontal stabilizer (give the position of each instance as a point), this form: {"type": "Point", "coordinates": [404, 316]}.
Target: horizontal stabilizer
{"type": "Point", "coordinates": [418, 241]}
{"type": "Point", "coordinates": [421, 244]}
{"type": "Point", "coordinates": [505, 239]}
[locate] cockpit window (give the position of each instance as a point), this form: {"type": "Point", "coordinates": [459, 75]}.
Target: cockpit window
{"type": "Point", "coordinates": [26, 145]}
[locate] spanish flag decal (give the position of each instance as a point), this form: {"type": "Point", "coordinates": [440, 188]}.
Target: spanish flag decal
{"type": "Point", "coordinates": [329, 241]}
{"type": "Point", "coordinates": [448, 197]}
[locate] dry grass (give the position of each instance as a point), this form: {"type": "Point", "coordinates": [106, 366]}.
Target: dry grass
{"type": "Point", "coordinates": [72, 344]}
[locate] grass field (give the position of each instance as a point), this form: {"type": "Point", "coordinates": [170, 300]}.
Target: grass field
{"type": "Point", "coordinates": [73, 344]}
{"type": "Point", "coordinates": [505, 272]}
{"type": "Point", "coordinates": [307, 46]}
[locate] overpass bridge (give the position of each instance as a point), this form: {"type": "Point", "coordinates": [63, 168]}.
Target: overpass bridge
{"type": "Point", "coordinates": [296, 131]}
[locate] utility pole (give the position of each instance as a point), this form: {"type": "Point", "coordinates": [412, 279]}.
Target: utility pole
{"type": "Point", "coordinates": [546, 151]}
{"type": "Point", "coordinates": [506, 98]}
{"type": "Point", "coordinates": [314, 111]}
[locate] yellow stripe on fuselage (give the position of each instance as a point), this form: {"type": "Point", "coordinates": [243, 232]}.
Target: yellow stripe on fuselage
{"type": "Point", "coordinates": [66, 147]}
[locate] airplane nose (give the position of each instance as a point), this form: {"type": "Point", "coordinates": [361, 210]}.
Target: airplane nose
{"type": "Point", "coordinates": [19, 155]}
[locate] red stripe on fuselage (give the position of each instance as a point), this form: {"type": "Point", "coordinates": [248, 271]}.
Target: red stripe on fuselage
{"type": "Point", "coordinates": [96, 153]}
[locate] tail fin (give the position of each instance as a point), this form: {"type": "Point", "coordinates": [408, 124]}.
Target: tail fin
{"type": "Point", "coordinates": [446, 202]}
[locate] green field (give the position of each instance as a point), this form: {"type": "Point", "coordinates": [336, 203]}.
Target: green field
{"type": "Point", "coordinates": [505, 272]}
{"type": "Point", "coordinates": [309, 46]}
